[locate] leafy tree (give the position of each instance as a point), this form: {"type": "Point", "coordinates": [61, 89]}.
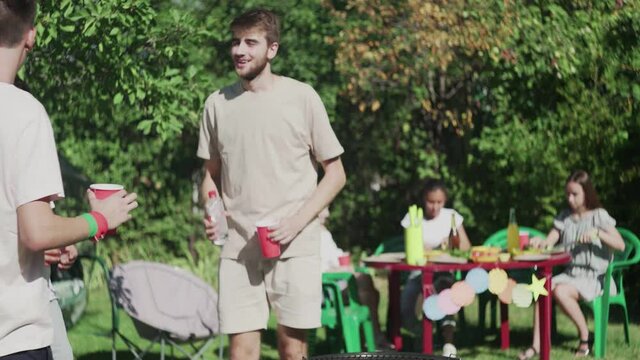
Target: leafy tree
{"type": "Point", "coordinates": [560, 96]}
{"type": "Point", "coordinates": [502, 99]}
{"type": "Point", "coordinates": [124, 99]}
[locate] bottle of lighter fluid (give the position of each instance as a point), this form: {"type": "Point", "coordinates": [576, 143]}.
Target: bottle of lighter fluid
{"type": "Point", "coordinates": [215, 212]}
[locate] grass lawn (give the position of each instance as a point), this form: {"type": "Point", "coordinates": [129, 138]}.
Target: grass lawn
{"type": "Point", "coordinates": [90, 337]}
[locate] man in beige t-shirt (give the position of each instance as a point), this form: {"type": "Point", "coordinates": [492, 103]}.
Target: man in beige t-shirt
{"type": "Point", "coordinates": [263, 140]}
{"type": "Point", "coordinates": [29, 180]}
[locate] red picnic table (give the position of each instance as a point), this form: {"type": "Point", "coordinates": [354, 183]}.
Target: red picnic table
{"type": "Point", "coordinates": [544, 267]}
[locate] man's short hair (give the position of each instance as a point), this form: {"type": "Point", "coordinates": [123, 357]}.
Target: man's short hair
{"type": "Point", "coordinates": [262, 19]}
{"type": "Point", "coordinates": [16, 18]}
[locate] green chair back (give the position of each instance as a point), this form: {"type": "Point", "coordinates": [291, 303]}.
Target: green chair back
{"type": "Point", "coordinates": [392, 244]}
{"type": "Point", "coordinates": [601, 305]}
{"type": "Point", "coordinates": [344, 319]}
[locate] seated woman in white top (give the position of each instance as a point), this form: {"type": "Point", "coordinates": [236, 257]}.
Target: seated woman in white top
{"type": "Point", "coordinates": [436, 226]}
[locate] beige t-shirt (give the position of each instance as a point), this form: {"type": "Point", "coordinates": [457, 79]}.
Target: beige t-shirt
{"type": "Point", "coordinates": [270, 145]}
{"type": "Point", "coordinates": [29, 171]}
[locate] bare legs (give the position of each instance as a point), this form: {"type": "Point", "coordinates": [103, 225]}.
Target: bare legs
{"type": "Point", "coordinates": [245, 346]}
{"type": "Point", "coordinates": [567, 296]}
{"type": "Point", "coordinates": [369, 296]}
{"type": "Point", "coordinates": [292, 344]}
{"type": "Point", "coordinates": [447, 333]}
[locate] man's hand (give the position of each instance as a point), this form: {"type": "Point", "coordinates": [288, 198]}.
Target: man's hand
{"type": "Point", "coordinates": [65, 257]}
{"type": "Point", "coordinates": [52, 256]}
{"type": "Point", "coordinates": [115, 208]}
{"type": "Point", "coordinates": [68, 257]}
{"type": "Point", "coordinates": [286, 230]}
{"type": "Point", "coordinates": [210, 229]}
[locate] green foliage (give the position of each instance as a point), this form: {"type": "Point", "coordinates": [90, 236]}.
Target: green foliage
{"type": "Point", "coordinates": [501, 99]}
{"type": "Point", "coordinates": [124, 95]}
{"type": "Point", "coordinates": [558, 97]}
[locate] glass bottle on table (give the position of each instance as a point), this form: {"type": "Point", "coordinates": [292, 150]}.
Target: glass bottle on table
{"type": "Point", "coordinates": [513, 239]}
{"type": "Point", "coordinates": [454, 238]}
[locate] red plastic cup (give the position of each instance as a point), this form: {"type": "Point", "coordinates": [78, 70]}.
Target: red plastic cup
{"type": "Point", "coordinates": [524, 239]}
{"type": "Point", "coordinates": [103, 191]}
{"type": "Point", "coordinates": [344, 259]}
{"type": "Point", "coordinates": [270, 248]}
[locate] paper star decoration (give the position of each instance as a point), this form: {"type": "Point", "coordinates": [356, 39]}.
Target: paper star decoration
{"type": "Point", "coordinates": [537, 287]}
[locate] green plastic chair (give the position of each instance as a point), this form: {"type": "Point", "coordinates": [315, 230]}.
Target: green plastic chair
{"type": "Point", "coordinates": [345, 319]}
{"type": "Point", "coordinates": [499, 239]}
{"type": "Point", "coordinates": [392, 244]}
{"type": "Point", "coordinates": [601, 305]}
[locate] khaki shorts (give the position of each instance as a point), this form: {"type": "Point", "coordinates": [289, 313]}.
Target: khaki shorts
{"type": "Point", "coordinates": [292, 286]}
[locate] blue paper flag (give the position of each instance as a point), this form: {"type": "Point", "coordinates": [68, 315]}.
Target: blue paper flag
{"type": "Point", "coordinates": [431, 309]}
{"type": "Point", "coordinates": [478, 279]}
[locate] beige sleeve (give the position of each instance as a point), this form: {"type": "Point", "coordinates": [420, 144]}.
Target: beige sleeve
{"type": "Point", "coordinates": [208, 143]}
{"type": "Point", "coordinates": [38, 174]}
{"type": "Point", "coordinates": [324, 143]}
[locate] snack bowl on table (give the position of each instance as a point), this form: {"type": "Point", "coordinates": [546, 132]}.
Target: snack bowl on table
{"type": "Point", "coordinates": [485, 253]}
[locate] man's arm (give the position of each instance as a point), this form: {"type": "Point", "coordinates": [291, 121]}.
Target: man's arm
{"type": "Point", "coordinates": [40, 229]}
{"type": "Point", "coordinates": [210, 181]}
{"type": "Point", "coordinates": [332, 182]}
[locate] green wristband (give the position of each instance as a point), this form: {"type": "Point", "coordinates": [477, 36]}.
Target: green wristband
{"type": "Point", "coordinates": [93, 225]}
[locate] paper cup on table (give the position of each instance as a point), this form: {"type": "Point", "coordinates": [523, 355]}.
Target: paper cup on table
{"type": "Point", "coordinates": [103, 191]}
{"type": "Point", "coordinates": [270, 248]}
{"type": "Point", "coordinates": [524, 239]}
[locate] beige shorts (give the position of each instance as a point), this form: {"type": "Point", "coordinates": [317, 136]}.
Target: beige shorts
{"type": "Point", "coordinates": [292, 287]}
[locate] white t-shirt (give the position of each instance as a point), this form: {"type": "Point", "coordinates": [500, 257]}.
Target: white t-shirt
{"type": "Point", "coordinates": [29, 171]}
{"type": "Point", "coordinates": [329, 251]}
{"type": "Point", "coordinates": [436, 230]}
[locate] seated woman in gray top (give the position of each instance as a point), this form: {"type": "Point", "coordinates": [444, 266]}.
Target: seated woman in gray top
{"type": "Point", "coordinates": [588, 232]}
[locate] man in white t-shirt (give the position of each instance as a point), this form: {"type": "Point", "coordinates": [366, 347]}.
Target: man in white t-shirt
{"type": "Point", "coordinates": [29, 181]}
{"type": "Point", "coordinates": [263, 140]}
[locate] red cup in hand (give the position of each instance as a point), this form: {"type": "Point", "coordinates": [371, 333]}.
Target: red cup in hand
{"type": "Point", "coordinates": [270, 248]}
{"type": "Point", "coordinates": [103, 191]}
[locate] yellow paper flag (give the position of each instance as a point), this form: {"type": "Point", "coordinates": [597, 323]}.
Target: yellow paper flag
{"type": "Point", "coordinates": [497, 281]}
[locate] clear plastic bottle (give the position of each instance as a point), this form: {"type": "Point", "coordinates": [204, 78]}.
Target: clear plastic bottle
{"type": "Point", "coordinates": [215, 212]}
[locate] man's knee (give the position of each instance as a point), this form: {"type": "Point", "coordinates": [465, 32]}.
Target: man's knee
{"type": "Point", "coordinates": [292, 342]}
{"type": "Point", "coordinates": [245, 345]}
